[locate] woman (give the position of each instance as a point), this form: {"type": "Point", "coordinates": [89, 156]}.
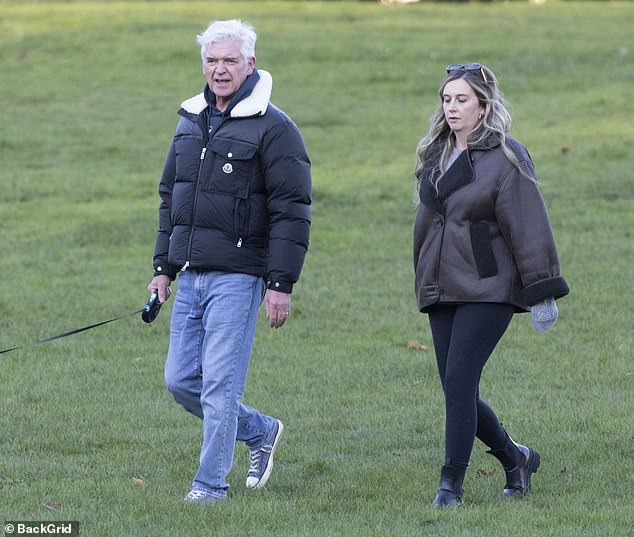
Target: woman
{"type": "Point", "coordinates": [483, 250]}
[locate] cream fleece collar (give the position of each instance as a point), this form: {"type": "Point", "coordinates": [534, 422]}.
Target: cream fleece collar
{"type": "Point", "coordinates": [254, 105]}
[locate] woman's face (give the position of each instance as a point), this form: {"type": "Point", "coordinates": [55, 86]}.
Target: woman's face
{"type": "Point", "coordinates": [461, 107]}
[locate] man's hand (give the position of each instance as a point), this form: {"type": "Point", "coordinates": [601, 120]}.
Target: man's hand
{"type": "Point", "coordinates": [161, 284]}
{"type": "Point", "coordinates": [277, 306]}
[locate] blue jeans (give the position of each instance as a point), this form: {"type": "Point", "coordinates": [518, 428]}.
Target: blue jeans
{"type": "Point", "coordinates": [211, 335]}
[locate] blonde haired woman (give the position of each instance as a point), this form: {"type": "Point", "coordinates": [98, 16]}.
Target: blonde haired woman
{"type": "Point", "coordinates": [483, 250]}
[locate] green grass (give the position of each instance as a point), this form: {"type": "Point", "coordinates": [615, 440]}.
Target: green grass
{"type": "Point", "coordinates": [89, 93]}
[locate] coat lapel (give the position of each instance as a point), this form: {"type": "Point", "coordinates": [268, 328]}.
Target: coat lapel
{"type": "Point", "coordinates": [459, 174]}
{"type": "Point", "coordinates": [429, 197]}
{"type": "Point", "coordinates": [427, 192]}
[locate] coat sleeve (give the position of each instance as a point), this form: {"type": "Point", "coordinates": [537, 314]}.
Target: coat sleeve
{"type": "Point", "coordinates": [525, 225]}
{"type": "Point", "coordinates": [288, 185]}
{"type": "Point", "coordinates": [161, 248]}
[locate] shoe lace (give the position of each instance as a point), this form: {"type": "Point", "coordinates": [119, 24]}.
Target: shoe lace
{"type": "Point", "coordinates": [255, 460]}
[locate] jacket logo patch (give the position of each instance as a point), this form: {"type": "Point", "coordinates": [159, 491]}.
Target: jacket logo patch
{"type": "Point", "coordinates": [227, 168]}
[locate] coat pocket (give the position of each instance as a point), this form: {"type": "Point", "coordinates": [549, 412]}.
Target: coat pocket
{"type": "Point", "coordinates": [482, 251]}
{"type": "Point", "coordinates": [233, 167]}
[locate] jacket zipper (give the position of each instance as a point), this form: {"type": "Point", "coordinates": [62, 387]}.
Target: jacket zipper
{"type": "Point", "coordinates": [240, 222]}
{"type": "Point", "coordinates": [195, 201]}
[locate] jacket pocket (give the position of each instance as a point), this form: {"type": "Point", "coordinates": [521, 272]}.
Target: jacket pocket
{"type": "Point", "coordinates": [233, 168]}
{"type": "Point", "coordinates": [482, 251]}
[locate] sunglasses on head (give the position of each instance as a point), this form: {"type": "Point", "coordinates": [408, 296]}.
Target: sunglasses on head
{"type": "Point", "coordinates": [468, 67]}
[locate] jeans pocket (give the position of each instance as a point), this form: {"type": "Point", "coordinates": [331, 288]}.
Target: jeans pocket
{"type": "Point", "coordinates": [263, 293]}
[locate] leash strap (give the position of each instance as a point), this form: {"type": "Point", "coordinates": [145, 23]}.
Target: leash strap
{"type": "Point", "coordinates": [72, 332]}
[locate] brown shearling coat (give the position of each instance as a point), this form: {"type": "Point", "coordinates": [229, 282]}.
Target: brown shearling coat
{"type": "Point", "coordinates": [485, 236]}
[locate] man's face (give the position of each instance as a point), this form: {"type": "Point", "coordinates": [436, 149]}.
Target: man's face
{"type": "Point", "coordinates": [226, 70]}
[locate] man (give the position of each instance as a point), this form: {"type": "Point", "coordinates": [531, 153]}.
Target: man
{"type": "Point", "coordinates": [234, 223]}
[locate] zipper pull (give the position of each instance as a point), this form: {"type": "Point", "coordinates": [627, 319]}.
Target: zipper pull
{"type": "Point", "coordinates": [202, 153]}
{"type": "Point", "coordinates": [239, 245]}
{"type": "Point", "coordinates": [185, 266]}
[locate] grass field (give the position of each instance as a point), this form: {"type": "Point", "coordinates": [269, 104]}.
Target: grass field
{"type": "Point", "coordinates": [88, 432]}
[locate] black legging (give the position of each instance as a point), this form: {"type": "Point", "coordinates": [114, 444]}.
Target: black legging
{"type": "Point", "coordinates": [464, 338]}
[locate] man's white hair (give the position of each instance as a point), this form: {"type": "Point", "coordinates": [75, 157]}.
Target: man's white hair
{"type": "Point", "coordinates": [230, 30]}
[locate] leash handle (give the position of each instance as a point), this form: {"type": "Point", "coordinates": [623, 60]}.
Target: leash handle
{"type": "Point", "coordinates": [152, 308]}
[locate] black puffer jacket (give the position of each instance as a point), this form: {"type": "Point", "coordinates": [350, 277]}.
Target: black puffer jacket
{"type": "Point", "coordinates": [238, 200]}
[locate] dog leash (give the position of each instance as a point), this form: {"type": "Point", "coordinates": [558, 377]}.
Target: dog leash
{"type": "Point", "coordinates": [148, 314]}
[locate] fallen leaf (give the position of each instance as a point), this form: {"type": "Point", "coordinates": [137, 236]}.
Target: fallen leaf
{"type": "Point", "coordinates": [482, 473]}
{"type": "Point", "coordinates": [137, 481]}
{"type": "Point", "coordinates": [52, 505]}
{"type": "Point", "coordinates": [416, 345]}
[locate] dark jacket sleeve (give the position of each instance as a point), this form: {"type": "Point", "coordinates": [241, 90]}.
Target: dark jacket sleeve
{"type": "Point", "coordinates": [161, 248]}
{"type": "Point", "coordinates": [287, 179]}
{"type": "Point", "coordinates": [526, 227]}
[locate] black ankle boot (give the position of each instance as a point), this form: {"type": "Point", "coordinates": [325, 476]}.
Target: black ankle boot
{"type": "Point", "coordinates": [450, 487]}
{"type": "Point", "coordinates": [519, 463]}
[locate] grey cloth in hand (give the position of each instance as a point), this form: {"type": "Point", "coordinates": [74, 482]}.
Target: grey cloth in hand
{"type": "Point", "coordinates": [544, 314]}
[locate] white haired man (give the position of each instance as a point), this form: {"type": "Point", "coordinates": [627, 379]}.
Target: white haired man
{"type": "Point", "coordinates": [234, 224]}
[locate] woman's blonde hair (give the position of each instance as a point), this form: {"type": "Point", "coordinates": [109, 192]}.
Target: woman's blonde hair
{"type": "Point", "coordinates": [496, 120]}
